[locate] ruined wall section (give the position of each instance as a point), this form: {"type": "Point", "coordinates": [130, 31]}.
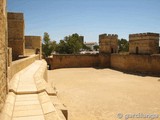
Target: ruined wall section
{"type": "Point", "coordinates": [3, 53]}
{"type": "Point", "coordinates": [108, 43]}
{"type": "Point", "coordinates": [144, 43]}
{"type": "Point", "coordinates": [16, 34]}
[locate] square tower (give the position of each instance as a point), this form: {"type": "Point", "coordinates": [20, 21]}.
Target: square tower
{"type": "Point", "coordinates": [144, 43]}
{"type": "Point", "coordinates": [16, 34]}
{"type": "Point", "coordinates": [33, 45]}
{"type": "Point", "coordinates": [108, 43]}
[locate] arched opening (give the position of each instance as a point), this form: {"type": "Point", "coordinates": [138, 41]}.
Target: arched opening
{"type": "Point", "coordinates": [37, 51]}
{"type": "Point", "coordinates": [137, 50]}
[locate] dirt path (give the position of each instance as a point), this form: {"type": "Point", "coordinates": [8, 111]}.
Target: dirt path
{"type": "Point", "coordinates": [100, 94]}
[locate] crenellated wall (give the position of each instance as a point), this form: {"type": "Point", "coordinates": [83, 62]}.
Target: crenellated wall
{"type": "Point", "coordinates": [144, 43]}
{"type": "Point", "coordinates": [3, 53]}
{"type": "Point", "coordinates": [16, 34]}
{"type": "Point", "coordinates": [108, 43]}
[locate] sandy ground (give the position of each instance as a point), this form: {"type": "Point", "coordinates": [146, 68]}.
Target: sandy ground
{"type": "Point", "coordinates": [100, 94]}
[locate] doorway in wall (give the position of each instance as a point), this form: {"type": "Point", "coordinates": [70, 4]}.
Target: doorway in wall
{"type": "Point", "coordinates": [112, 51]}
{"type": "Point", "coordinates": [137, 50]}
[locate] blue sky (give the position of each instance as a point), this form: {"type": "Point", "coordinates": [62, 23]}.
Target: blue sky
{"type": "Point", "coordinates": [88, 17]}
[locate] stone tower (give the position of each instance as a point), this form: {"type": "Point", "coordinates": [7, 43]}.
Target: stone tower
{"type": "Point", "coordinates": [108, 43]}
{"type": "Point", "coordinates": [144, 43]}
{"type": "Point", "coordinates": [3, 53]}
{"type": "Point", "coordinates": [16, 34]}
{"type": "Point", "coordinates": [81, 38]}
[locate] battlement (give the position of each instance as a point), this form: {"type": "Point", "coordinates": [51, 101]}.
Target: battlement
{"type": "Point", "coordinates": [15, 16]}
{"type": "Point", "coordinates": [103, 36]}
{"type": "Point", "coordinates": [144, 36]}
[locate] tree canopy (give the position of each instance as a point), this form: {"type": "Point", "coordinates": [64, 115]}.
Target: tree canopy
{"type": "Point", "coordinates": [123, 45]}
{"type": "Point", "coordinates": [71, 44]}
{"type": "Point", "coordinates": [48, 46]}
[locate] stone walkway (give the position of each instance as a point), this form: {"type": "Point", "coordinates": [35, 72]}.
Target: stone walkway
{"type": "Point", "coordinates": [30, 96]}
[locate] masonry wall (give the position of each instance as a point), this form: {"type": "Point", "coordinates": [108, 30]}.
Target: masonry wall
{"type": "Point", "coordinates": [32, 43]}
{"type": "Point", "coordinates": [72, 61]}
{"type": "Point", "coordinates": [136, 63]}
{"type": "Point", "coordinates": [19, 65]}
{"type": "Point", "coordinates": [16, 34]}
{"type": "Point", "coordinates": [108, 43]}
{"type": "Point", "coordinates": [3, 55]}
{"type": "Point", "coordinates": [144, 43]}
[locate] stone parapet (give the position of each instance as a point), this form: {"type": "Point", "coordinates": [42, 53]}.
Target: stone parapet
{"type": "Point", "coordinates": [144, 36]}
{"type": "Point", "coordinates": [103, 36]}
{"type": "Point", "coordinates": [15, 16]}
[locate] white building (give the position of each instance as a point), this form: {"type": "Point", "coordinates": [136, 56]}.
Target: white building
{"type": "Point", "coordinates": [91, 44]}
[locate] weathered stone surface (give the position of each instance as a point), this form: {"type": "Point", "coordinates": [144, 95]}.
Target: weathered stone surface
{"type": "Point", "coordinates": [72, 61]}
{"type": "Point", "coordinates": [148, 64]}
{"type": "Point", "coordinates": [108, 43]}
{"type": "Point", "coordinates": [16, 34]}
{"type": "Point", "coordinates": [33, 45]}
{"type": "Point", "coordinates": [144, 43]}
{"type": "Point", "coordinates": [3, 54]}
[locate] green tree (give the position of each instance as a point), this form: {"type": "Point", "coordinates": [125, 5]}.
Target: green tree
{"type": "Point", "coordinates": [48, 46]}
{"type": "Point", "coordinates": [96, 47]}
{"type": "Point", "coordinates": [123, 45]}
{"type": "Point", "coordinates": [70, 45]}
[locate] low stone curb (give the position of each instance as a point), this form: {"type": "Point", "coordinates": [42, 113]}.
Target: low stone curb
{"type": "Point", "coordinates": [7, 110]}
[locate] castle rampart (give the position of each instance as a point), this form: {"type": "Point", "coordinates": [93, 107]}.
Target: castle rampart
{"type": "Point", "coordinates": [108, 43]}
{"type": "Point", "coordinates": [16, 34]}
{"type": "Point", "coordinates": [144, 43]}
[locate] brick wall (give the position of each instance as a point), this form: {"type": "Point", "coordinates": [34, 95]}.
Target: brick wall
{"type": "Point", "coordinates": [3, 51]}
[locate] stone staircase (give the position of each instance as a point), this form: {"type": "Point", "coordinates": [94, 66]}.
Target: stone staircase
{"type": "Point", "coordinates": [31, 97]}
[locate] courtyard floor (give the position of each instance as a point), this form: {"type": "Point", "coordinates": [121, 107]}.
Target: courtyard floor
{"type": "Point", "coordinates": [102, 94]}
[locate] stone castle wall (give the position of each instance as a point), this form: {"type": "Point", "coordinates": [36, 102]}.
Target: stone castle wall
{"type": "Point", "coordinates": [3, 53]}
{"type": "Point", "coordinates": [144, 43]}
{"type": "Point", "coordinates": [16, 34]}
{"type": "Point", "coordinates": [72, 61]}
{"type": "Point", "coordinates": [20, 64]}
{"type": "Point", "coordinates": [136, 63]}
{"type": "Point", "coordinates": [108, 43]}
{"type": "Point", "coordinates": [32, 43]}
{"type": "Point", "coordinates": [130, 63]}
